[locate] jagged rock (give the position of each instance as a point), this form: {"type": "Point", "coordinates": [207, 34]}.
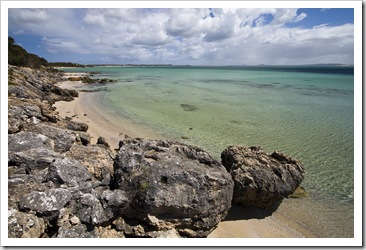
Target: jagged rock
{"type": "Point", "coordinates": [261, 179]}
{"type": "Point", "coordinates": [180, 185]}
{"type": "Point", "coordinates": [77, 126]}
{"type": "Point", "coordinates": [63, 138]}
{"type": "Point", "coordinates": [23, 141]}
{"type": "Point", "coordinates": [102, 141]}
{"type": "Point", "coordinates": [114, 202]}
{"type": "Point", "coordinates": [45, 202]}
{"type": "Point", "coordinates": [84, 138]}
{"type": "Point", "coordinates": [24, 225]}
{"type": "Point", "coordinates": [78, 231]}
{"type": "Point", "coordinates": [34, 158]}
{"type": "Point", "coordinates": [98, 161]}
{"type": "Point", "coordinates": [89, 210]}
{"type": "Point", "coordinates": [68, 171]}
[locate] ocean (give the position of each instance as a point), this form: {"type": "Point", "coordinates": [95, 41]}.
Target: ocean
{"type": "Point", "coordinates": [306, 112]}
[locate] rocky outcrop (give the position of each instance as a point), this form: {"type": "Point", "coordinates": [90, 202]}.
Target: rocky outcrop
{"type": "Point", "coordinates": [261, 179]}
{"type": "Point", "coordinates": [172, 186]}
{"type": "Point", "coordinates": [61, 186]}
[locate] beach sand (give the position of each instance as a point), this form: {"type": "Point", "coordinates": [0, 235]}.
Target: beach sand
{"type": "Point", "coordinates": [84, 109]}
{"type": "Point", "coordinates": [240, 223]}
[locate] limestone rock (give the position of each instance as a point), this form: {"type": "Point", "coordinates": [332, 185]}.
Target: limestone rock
{"type": "Point", "coordinates": [97, 160]}
{"type": "Point", "coordinates": [78, 231]}
{"type": "Point", "coordinates": [45, 202]}
{"type": "Point", "coordinates": [68, 171]}
{"type": "Point", "coordinates": [180, 185]}
{"type": "Point", "coordinates": [23, 225]}
{"type": "Point", "coordinates": [261, 180]}
{"type": "Point", "coordinates": [89, 210]}
{"type": "Point", "coordinates": [63, 138]}
{"type": "Point", "coordinates": [27, 140]}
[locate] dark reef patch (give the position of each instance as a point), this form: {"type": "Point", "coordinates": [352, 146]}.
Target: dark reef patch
{"type": "Point", "coordinates": [188, 107]}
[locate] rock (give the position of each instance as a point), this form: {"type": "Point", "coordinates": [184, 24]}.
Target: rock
{"type": "Point", "coordinates": [89, 210]}
{"type": "Point", "coordinates": [97, 160]}
{"type": "Point", "coordinates": [114, 202]}
{"type": "Point", "coordinates": [182, 186]}
{"type": "Point", "coordinates": [107, 232]}
{"type": "Point", "coordinates": [78, 231]}
{"type": "Point", "coordinates": [77, 126]}
{"type": "Point", "coordinates": [84, 138]}
{"type": "Point", "coordinates": [63, 138]}
{"type": "Point", "coordinates": [34, 158]}
{"type": "Point", "coordinates": [23, 225]}
{"type": "Point", "coordinates": [45, 202]}
{"type": "Point", "coordinates": [261, 180]}
{"type": "Point", "coordinates": [68, 171]}
{"type": "Point", "coordinates": [23, 141]}
{"type": "Point", "coordinates": [102, 141]}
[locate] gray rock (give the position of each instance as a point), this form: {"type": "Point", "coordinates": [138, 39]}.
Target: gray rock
{"type": "Point", "coordinates": [98, 161]}
{"type": "Point", "coordinates": [77, 126]}
{"type": "Point", "coordinates": [114, 202]}
{"type": "Point", "coordinates": [23, 225]}
{"type": "Point", "coordinates": [23, 141]}
{"type": "Point", "coordinates": [45, 202]}
{"type": "Point", "coordinates": [89, 210]}
{"type": "Point", "coordinates": [63, 138]}
{"type": "Point", "coordinates": [68, 171]}
{"type": "Point", "coordinates": [78, 231]}
{"type": "Point", "coordinates": [261, 180]}
{"type": "Point", "coordinates": [84, 138]}
{"type": "Point", "coordinates": [34, 158]}
{"type": "Point", "coordinates": [180, 185]}
{"type": "Point", "coordinates": [116, 198]}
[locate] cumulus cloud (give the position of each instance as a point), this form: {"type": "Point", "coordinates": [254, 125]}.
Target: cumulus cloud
{"type": "Point", "coordinates": [186, 36]}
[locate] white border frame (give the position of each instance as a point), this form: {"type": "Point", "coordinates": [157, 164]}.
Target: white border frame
{"type": "Point", "coordinates": [358, 108]}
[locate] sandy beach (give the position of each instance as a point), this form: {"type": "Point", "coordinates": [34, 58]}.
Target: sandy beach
{"type": "Point", "coordinates": [83, 109]}
{"type": "Point", "coordinates": [240, 222]}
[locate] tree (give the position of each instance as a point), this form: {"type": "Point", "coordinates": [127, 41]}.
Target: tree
{"type": "Point", "coordinates": [20, 57]}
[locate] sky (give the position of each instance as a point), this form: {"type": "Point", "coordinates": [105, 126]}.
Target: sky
{"type": "Point", "coordinates": [209, 36]}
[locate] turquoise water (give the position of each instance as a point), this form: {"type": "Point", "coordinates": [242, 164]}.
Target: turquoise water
{"type": "Point", "coordinates": [305, 112]}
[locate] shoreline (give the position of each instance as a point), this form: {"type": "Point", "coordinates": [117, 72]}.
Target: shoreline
{"type": "Point", "coordinates": [84, 109]}
{"type": "Point", "coordinates": [240, 222]}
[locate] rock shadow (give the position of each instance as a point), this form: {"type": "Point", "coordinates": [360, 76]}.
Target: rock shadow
{"type": "Point", "coordinates": [239, 212]}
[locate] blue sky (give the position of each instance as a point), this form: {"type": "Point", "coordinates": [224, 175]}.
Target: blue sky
{"type": "Point", "coordinates": [187, 36]}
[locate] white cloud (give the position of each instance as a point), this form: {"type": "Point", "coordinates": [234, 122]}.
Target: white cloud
{"type": "Point", "coordinates": [185, 36]}
{"type": "Point", "coordinates": [95, 20]}
{"type": "Point", "coordinates": [19, 32]}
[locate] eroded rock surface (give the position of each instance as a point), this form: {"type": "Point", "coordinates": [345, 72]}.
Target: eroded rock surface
{"type": "Point", "coordinates": [173, 186]}
{"type": "Point", "coordinates": [261, 179]}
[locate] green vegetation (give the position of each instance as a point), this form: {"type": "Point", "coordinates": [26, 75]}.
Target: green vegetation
{"type": "Point", "coordinates": [65, 64]}
{"type": "Point", "coordinates": [20, 57]}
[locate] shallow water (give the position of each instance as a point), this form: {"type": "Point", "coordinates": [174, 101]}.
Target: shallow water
{"type": "Point", "coordinates": [305, 112]}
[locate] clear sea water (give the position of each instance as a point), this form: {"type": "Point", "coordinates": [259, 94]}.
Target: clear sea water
{"type": "Point", "coordinates": [305, 112]}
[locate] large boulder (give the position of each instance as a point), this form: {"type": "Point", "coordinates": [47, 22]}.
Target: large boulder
{"type": "Point", "coordinates": [172, 186]}
{"type": "Point", "coordinates": [261, 179]}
